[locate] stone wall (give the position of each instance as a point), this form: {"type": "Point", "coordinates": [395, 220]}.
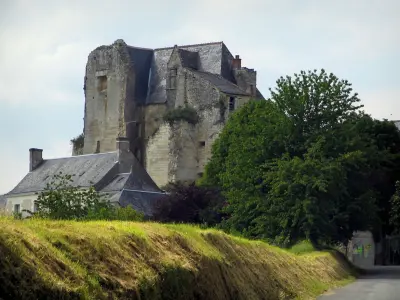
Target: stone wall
{"type": "Point", "coordinates": [158, 155]}
{"type": "Point", "coordinates": [108, 74]}
{"type": "Point", "coordinates": [181, 151]}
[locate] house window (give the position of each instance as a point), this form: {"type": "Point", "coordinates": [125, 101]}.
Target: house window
{"type": "Point", "coordinates": [232, 103]}
{"type": "Point", "coordinates": [35, 207]}
{"type": "Point", "coordinates": [102, 83]}
{"type": "Point", "coordinates": [17, 208]}
{"type": "Point", "coordinates": [202, 143]}
{"type": "Point", "coordinates": [172, 78]}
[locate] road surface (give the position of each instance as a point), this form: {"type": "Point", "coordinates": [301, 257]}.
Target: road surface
{"type": "Point", "coordinates": [380, 283]}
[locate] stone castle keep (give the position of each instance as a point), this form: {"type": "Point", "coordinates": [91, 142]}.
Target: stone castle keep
{"type": "Point", "coordinates": [130, 91]}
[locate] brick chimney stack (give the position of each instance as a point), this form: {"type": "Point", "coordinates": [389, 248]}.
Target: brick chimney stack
{"type": "Point", "coordinates": [35, 158]}
{"type": "Point", "coordinates": [236, 63]}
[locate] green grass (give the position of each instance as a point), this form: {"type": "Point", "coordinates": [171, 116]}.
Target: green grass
{"type": "Point", "coordinates": [124, 260]}
{"type": "Point", "coordinates": [302, 248]}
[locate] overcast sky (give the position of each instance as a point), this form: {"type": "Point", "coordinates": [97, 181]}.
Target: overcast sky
{"type": "Point", "coordinates": [44, 46]}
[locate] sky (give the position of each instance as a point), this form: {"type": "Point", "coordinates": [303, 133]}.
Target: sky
{"type": "Point", "coordinates": [44, 47]}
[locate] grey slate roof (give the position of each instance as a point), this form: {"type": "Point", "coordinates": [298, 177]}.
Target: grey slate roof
{"type": "Point", "coordinates": [87, 168]}
{"type": "Point", "coordinates": [189, 59]}
{"type": "Point", "coordinates": [210, 60]}
{"type": "Point", "coordinates": [141, 59]}
{"type": "Point", "coordinates": [142, 201]}
{"type": "Point", "coordinates": [221, 83]}
{"type": "Point", "coordinates": [138, 179]}
{"type": "Point", "coordinates": [3, 202]}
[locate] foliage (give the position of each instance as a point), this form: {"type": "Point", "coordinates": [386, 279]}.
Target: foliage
{"type": "Point", "coordinates": [63, 200]}
{"type": "Point", "coordinates": [78, 143]}
{"type": "Point", "coordinates": [115, 213]}
{"type": "Point", "coordinates": [186, 202]}
{"type": "Point", "coordinates": [186, 113]}
{"type": "Point", "coordinates": [306, 164]}
{"type": "Point", "coordinates": [302, 247]}
{"type": "Point", "coordinates": [395, 209]}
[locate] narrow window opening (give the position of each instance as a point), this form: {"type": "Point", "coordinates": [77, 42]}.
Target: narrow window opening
{"type": "Point", "coordinates": [102, 83]}
{"type": "Point", "coordinates": [202, 143]}
{"type": "Point", "coordinates": [232, 103]}
{"type": "Point", "coordinates": [17, 208]}
{"type": "Point", "coordinates": [35, 207]}
{"type": "Point", "coordinates": [172, 78]}
{"type": "Point", "coordinates": [98, 147]}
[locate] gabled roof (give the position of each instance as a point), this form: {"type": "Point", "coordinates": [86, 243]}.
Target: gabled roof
{"type": "Point", "coordinates": [221, 83]}
{"type": "Point", "coordinates": [138, 179]}
{"type": "Point", "coordinates": [88, 170]}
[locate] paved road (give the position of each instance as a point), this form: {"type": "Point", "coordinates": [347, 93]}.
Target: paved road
{"type": "Point", "coordinates": [380, 283]}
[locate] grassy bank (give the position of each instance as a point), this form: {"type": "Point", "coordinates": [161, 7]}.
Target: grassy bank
{"type": "Point", "coordinates": [122, 260]}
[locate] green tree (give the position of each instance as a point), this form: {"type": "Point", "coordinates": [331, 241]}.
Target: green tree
{"type": "Point", "coordinates": [395, 209]}
{"type": "Point", "coordinates": [305, 164]}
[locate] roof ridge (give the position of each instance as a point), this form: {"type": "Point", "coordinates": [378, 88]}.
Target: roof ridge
{"type": "Point", "coordinates": [192, 45]}
{"type": "Point", "coordinates": [78, 156]}
{"type": "Point", "coordinates": [139, 48]}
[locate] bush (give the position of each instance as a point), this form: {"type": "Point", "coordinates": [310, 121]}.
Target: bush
{"type": "Point", "coordinates": [61, 200]}
{"type": "Point", "coordinates": [189, 203]}
{"type": "Point", "coordinates": [115, 213]}
{"type": "Point", "coordinates": [186, 113]}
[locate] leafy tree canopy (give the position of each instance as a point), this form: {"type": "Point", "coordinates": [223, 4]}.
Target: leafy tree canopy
{"type": "Point", "coordinates": [307, 163]}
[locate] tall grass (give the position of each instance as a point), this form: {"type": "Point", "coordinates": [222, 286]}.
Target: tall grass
{"type": "Point", "coordinates": [43, 259]}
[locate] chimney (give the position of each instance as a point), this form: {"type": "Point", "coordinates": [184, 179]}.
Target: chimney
{"type": "Point", "coordinates": [35, 158]}
{"type": "Point", "coordinates": [236, 63]}
{"type": "Point", "coordinates": [125, 157]}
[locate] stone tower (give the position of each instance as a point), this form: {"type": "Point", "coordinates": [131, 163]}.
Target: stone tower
{"type": "Point", "coordinates": [130, 90]}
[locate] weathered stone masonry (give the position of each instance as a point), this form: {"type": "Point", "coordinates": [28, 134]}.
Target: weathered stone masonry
{"type": "Point", "coordinates": [128, 91]}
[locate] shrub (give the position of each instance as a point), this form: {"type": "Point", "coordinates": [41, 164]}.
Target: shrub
{"type": "Point", "coordinates": [78, 143]}
{"type": "Point", "coordinates": [61, 200]}
{"type": "Point", "coordinates": [189, 203]}
{"type": "Point", "coordinates": [188, 114]}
